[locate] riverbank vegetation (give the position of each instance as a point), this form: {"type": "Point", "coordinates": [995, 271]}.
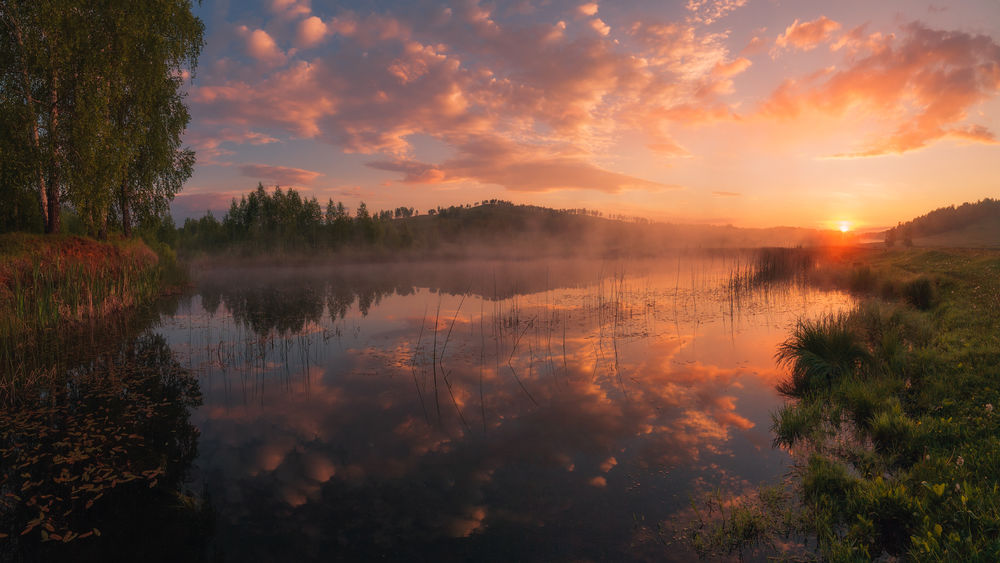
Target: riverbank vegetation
{"type": "Point", "coordinates": [53, 284]}
{"type": "Point", "coordinates": [891, 419]}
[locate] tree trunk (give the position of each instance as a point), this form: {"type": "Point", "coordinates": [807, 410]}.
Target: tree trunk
{"type": "Point", "coordinates": [30, 101]}
{"type": "Point", "coordinates": [52, 223]}
{"type": "Point", "coordinates": [126, 217]}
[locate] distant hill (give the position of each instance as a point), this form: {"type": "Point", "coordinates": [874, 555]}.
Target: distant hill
{"type": "Point", "coordinates": [970, 225]}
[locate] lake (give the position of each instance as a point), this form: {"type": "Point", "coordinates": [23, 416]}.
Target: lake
{"type": "Point", "coordinates": [469, 410]}
{"type": "Point", "coordinates": [559, 410]}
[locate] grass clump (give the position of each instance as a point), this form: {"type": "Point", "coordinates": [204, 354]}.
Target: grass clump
{"type": "Point", "coordinates": [819, 354]}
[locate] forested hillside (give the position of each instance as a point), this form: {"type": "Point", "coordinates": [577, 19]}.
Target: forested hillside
{"type": "Point", "coordinates": [284, 222]}
{"type": "Point", "coordinates": [978, 221]}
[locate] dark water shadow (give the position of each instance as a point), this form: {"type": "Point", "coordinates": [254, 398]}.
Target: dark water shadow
{"type": "Point", "coordinates": [95, 454]}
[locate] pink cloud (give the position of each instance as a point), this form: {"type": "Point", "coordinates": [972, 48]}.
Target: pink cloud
{"type": "Point", "coordinates": [924, 83]}
{"type": "Point", "coordinates": [281, 175]}
{"type": "Point", "coordinates": [458, 76]}
{"type": "Point", "coordinates": [292, 99]}
{"type": "Point", "coordinates": [261, 46]}
{"type": "Point", "coordinates": [807, 35]}
{"type": "Point", "coordinates": [588, 9]}
{"type": "Point", "coordinates": [209, 145]}
{"type": "Point", "coordinates": [311, 31]}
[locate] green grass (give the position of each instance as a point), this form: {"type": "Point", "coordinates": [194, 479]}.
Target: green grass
{"type": "Point", "coordinates": [893, 421]}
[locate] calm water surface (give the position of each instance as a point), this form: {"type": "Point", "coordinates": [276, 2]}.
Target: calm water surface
{"type": "Point", "coordinates": [484, 411]}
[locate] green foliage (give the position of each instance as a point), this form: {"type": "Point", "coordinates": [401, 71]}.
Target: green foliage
{"type": "Point", "coordinates": [903, 452]}
{"type": "Point", "coordinates": [93, 113]}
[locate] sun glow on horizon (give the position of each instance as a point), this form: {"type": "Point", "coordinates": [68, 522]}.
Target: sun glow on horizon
{"type": "Point", "coordinates": [844, 226]}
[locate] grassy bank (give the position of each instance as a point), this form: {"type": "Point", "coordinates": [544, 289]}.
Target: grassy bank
{"type": "Point", "coordinates": [891, 418]}
{"type": "Point", "coordinates": [51, 283]}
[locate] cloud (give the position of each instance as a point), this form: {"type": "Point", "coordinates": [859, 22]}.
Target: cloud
{"type": "Point", "coordinates": [209, 144]}
{"type": "Point", "coordinates": [262, 46]}
{"type": "Point", "coordinates": [311, 31]}
{"type": "Point", "coordinates": [456, 74]}
{"type": "Point", "coordinates": [709, 11]}
{"type": "Point", "coordinates": [492, 160]}
{"type": "Point", "coordinates": [726, 194]}
{"type": "Point", "coordinates": [599, 26]}
{"type": "Point", "coordinates": [588, 9]}
{"type": "Point", "coordinates": [756, 45]}
{"type": "Point", "coordinates": [806, 35]}
{"type": "Point", "coordinates": [290, 8]}
{"type": "Point", "coordinates": [731, 68]}
{"type": "Point", "coordinates": [292, 99]}
{"type": "Point", "coordinates": [282, 175]}
{"type": "Point", "coordinates": [920, 87]}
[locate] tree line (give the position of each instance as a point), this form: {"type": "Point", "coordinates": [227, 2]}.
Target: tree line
{"type": "Point", "coordinates": [942, 220]}
{"type": "Point", "coordinates": [91, 106]}
{"type": "Point", "coordinates": [282, 220]}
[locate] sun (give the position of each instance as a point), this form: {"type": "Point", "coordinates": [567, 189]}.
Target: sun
{"type": "Point", "coordinates": [844, 226]}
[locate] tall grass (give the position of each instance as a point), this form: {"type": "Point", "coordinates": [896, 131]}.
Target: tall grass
{"type": "Point", "coordinates": [51, 284]}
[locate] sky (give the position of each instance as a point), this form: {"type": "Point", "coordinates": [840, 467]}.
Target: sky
{"type": "Point", "coordinates": [746, 112]}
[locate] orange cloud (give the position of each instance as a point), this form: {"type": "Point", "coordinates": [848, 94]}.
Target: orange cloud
{"type": "Point", "coordinates": [708, 11]}
{"type": "Point", "coordinates": [922, 85]}
{"type": "Point", "coordinates": [599, 26]}
{"type": "Point", "coordinates": [807, 35]}
{"type": "Point", "coordinates": [731, 68]}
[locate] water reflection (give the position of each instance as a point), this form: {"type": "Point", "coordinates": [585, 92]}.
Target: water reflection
{"type": "Point", "coordinates": [503, 411]}
{"type": "Point", "coordinates": [95, 457]}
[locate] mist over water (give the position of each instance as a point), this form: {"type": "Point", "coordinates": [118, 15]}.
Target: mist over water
{"type": "Point", "coordinates": [492, 410]}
